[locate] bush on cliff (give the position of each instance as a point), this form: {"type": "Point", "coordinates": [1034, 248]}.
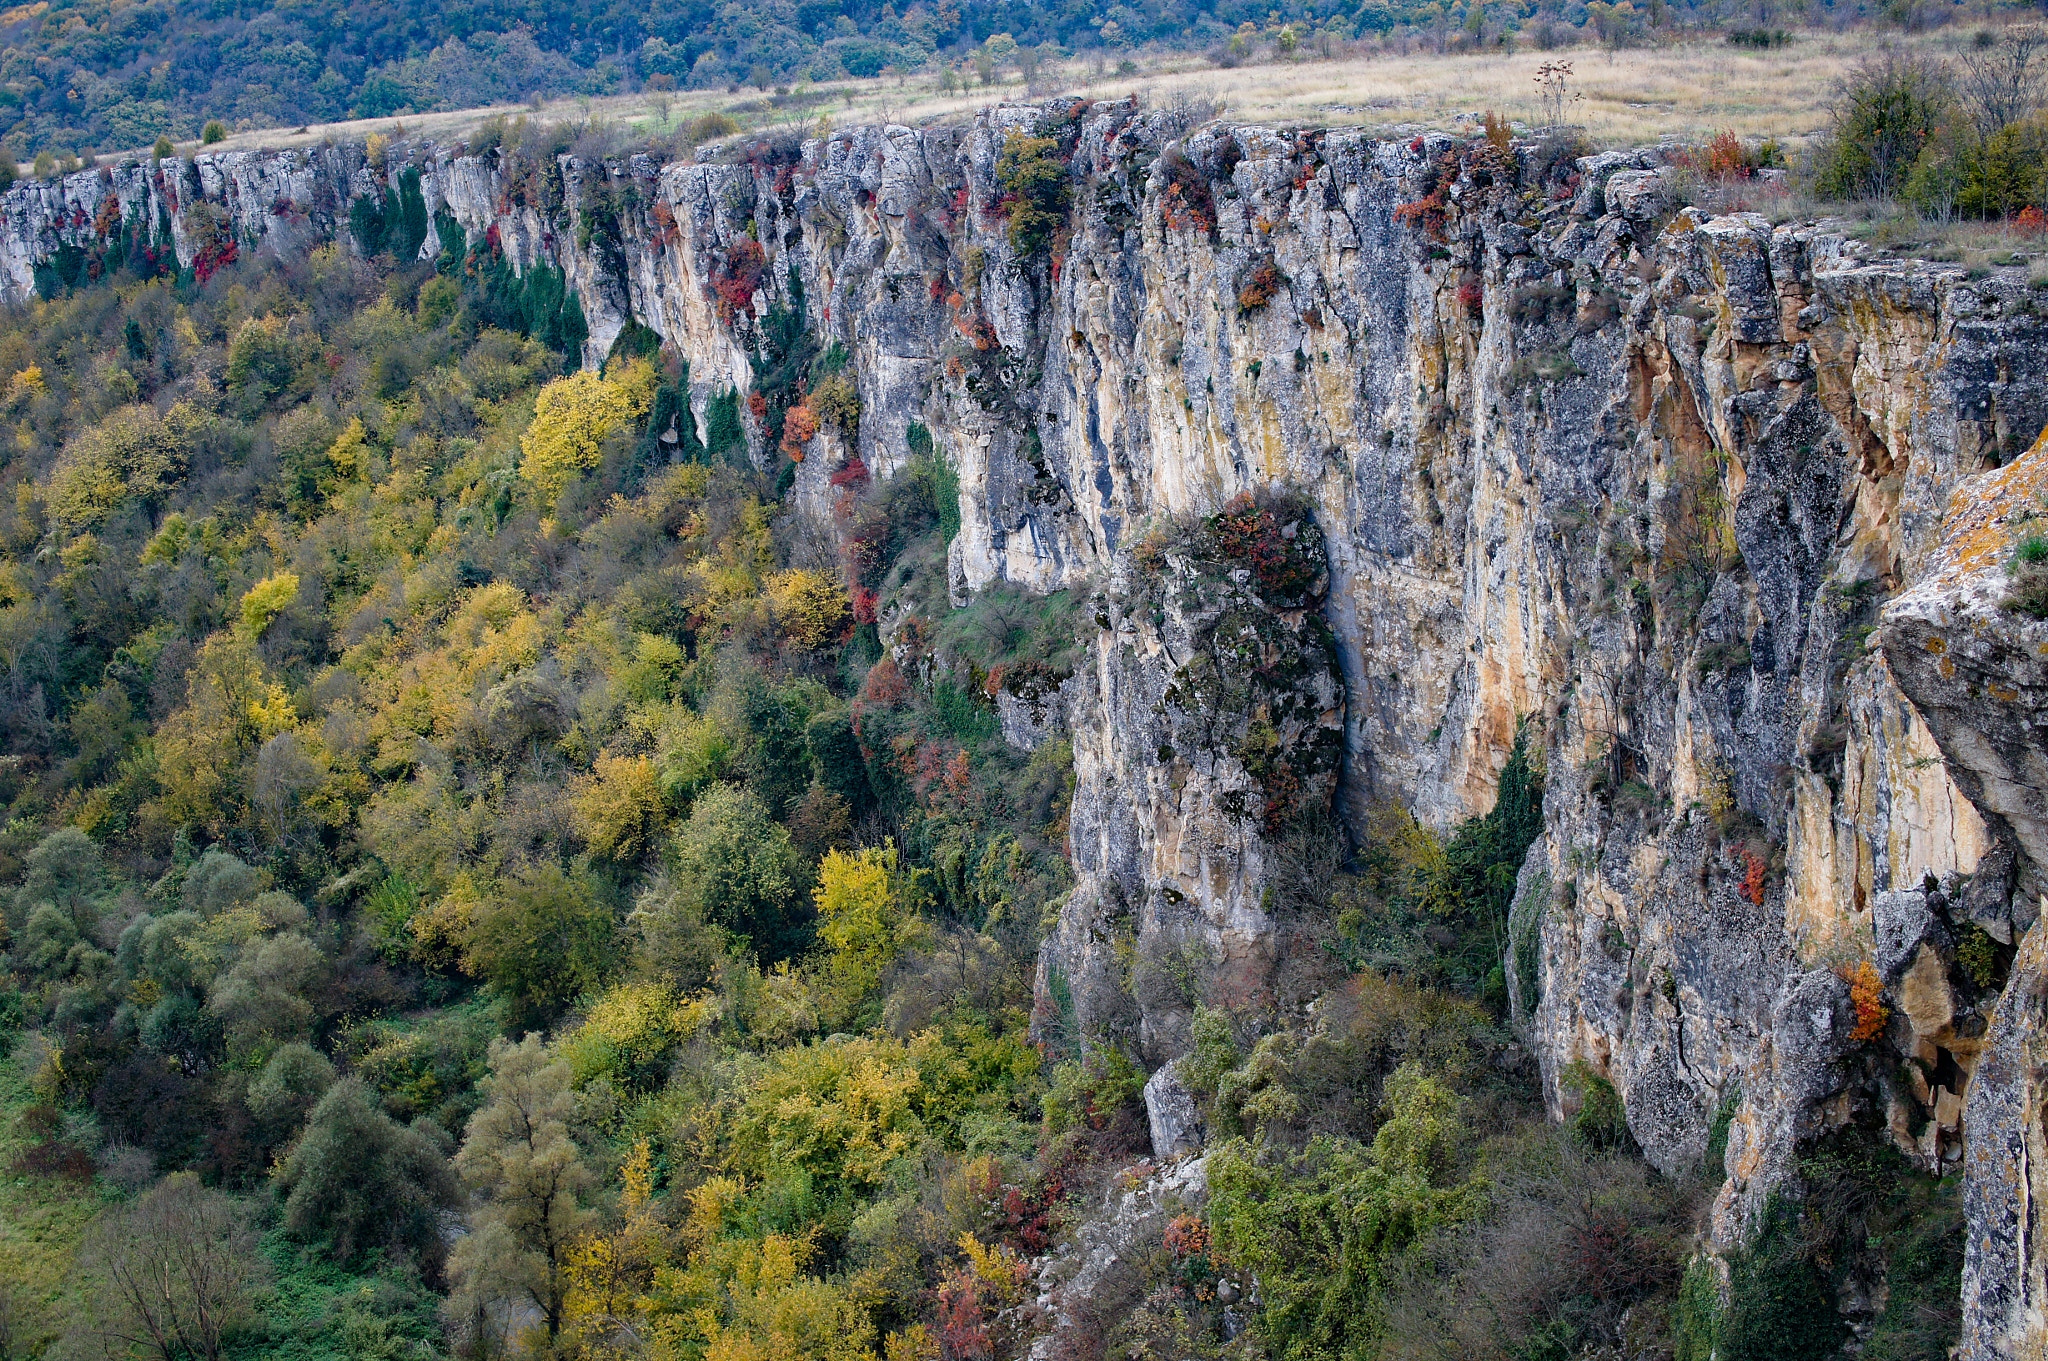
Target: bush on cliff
{"type": "Point", "coordinates": [1035, 191]}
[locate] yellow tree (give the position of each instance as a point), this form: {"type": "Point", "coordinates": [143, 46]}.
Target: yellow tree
{"type": "Point", "coordinates": [231, 707]}
{"type": "Point", "coordinates": [860, 920]}
{"type": "Point", "coordinates": [571, 417]}
{"type": "Point", "coordinates": [811, 607]}
{"type": "Point", "coordinates": [266, 600]}
{"type": "Point", "coordinates": [742, 1299]}
{"type": "Point", "coordinates": [618, 807]}
{"type": "Point", "coordinates": [610, 1273]}
{"type": "Point", "coordinates": [132, 453]}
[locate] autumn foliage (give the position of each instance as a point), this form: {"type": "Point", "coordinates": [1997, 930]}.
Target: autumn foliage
{"type": "Point", "coordinates": [1866, 1000]}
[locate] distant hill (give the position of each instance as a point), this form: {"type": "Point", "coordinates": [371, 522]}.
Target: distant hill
{"type": "Point", "coordinates": [82, 75]}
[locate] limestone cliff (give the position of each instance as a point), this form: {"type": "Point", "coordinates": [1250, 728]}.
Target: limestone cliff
{"type": "Point", "coordinates": [1718, 508]}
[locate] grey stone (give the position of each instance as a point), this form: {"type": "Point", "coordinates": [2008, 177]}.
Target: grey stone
{"type": "Point", "coordinates": [1638, 195]}
{"type": "Point", "coordinates": [1173, 1114]}
{"type": "Point", "coordinates": [1901, 919]}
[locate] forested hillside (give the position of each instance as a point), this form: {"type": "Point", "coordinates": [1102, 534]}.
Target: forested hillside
{"type": "Point", "coordinates": [392, 692]}
{"type": "Point", "coordinates": [85, 76]}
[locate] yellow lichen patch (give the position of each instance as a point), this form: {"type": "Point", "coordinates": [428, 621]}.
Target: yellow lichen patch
{"type": "Point", "coordinates": [1982, 510]}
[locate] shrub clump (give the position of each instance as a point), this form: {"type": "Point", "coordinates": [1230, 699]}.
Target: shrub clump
{"type": "Point", "coordinates": [1035, 191]}
{"type": "Point", "coordinates": [1278, 541]}
{"type": "Point", "coordinates": [1888, 109]}
{"type": "Point", "coordinates": [1260, 288]}
{"type": "Point", "coordinates": [2027, 571]}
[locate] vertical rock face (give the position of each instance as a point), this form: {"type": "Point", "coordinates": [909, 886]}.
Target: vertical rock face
{"type": "Point", "coordinates": [1359, 456]}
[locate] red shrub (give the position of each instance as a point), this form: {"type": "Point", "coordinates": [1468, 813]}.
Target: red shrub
{"type": "Point", "coordinates": [1426, 213]}
{"type": "Point", "coordinates": [1723, 157]}
{"type": "Point", "coordinates": [979, 330]}
{"type": "Point", "coordinates": [55, 1158]}
{"type": "Point", "coordinates": [884, 687]}
{"type": "Point", "coordinates": [1187, 1236]}
{"type": "Point", "coordinates": [666, 231]}
{"type": "Point", "coordinates": [1252, 534]}
{"type": "Point", "coordinates": [963, 1323]}
{"type": "Point", "coordinates": [798, 428]}
{"type": "Point", "coordinates": [734, 286]}
{"type": "Point", "coordinates": [1260, 288]}
{"type": "Point", "coordinates": [212, 257]}
{"type": "Point", "coordinates": [1753, 877]}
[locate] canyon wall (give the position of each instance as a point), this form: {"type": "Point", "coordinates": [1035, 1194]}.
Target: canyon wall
{"type": "Point", "coordinates": [1714, 512]}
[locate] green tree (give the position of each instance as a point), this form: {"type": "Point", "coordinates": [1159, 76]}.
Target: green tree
{"type": "Point", "coordinates": [66, 871]}
{"type": "Point", "coordinates": [1886, 111]}
{"type": "Point", "coordinates": [518, 1156]}
{"type": "Point", "coordinates": [543, 939]}
{"type": "Point", "coordinates": [214, 131]}
{"type": "Point", "coordinates": [735, 866]}
{"type": "Point", "coordinates": [1324, 1230]}
{"type": "Point", "coordinates": [284, 1093]}
{"type": "Point", "coordinates": [357, 1179]}
{"type": "Point", "coordinates": [1032, 174]}
{"type": "Point", "coordinates": [266, 994]}
{"type": "Point", "coordinates": [260, 360]}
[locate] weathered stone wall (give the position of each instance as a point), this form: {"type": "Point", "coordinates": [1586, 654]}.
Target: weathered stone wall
{"type": "Point", "coordinates": [1721, 507]}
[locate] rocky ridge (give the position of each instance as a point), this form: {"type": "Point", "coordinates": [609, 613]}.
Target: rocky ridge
{"type": "Point", "coordinates": [1717, 511]}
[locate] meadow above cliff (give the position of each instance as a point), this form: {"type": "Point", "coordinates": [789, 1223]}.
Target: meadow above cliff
{"type": "Point", "coordinates": [1688, 88]}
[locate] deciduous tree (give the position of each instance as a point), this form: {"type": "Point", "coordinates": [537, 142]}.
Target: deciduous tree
{"type": "Point", "coordinates": [518, 1156]}
{"type": "Point", "coordinates": [358, 1179]}
{"type": "Point", "coordinates": [182, 1270]}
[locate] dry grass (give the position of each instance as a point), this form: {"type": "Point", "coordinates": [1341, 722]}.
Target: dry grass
{"type": "Point", "coordinates": [1686, 90]}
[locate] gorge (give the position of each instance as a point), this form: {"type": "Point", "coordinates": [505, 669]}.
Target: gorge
{"type": "Point", "coordinates": [1513, 449]}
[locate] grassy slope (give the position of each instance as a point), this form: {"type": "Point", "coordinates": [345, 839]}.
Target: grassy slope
{"type": "Point", "coordinates": [42, 1219]}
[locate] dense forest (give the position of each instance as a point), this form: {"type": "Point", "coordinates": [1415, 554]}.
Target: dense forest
{"type": "Point", "coordinates": [480, 885]}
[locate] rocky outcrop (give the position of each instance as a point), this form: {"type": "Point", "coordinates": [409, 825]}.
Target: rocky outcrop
{"type": "Point", "coordinates": [1362, 456]}
{"type": "Point", "coordinates": [1172, 1113]}
{"type": "Point", "coordinates": [1098, 1269]}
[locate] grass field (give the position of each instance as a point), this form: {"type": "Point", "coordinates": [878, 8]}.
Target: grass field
{"type": "Point", "coordinates": [42, 1220]}
{"type": "Point", "coordinates": [1688, 89]}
